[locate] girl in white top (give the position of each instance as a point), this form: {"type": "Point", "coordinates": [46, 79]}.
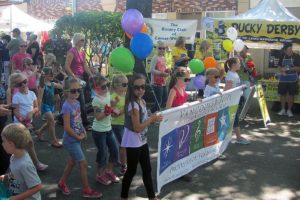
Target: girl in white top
{"type": "Point", "coordinates": [213, 79]}
{"type": "Point", "coordinates": [232, 65]}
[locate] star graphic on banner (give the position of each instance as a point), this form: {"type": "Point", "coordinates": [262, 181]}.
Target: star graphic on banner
{"type": "Point", "coordinates": [223, 120]}
{"type": "Point", "coordinates": [167, 148]}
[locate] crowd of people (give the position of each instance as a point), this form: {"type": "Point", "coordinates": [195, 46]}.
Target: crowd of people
{"type": "Point", "coordinates": [121, 117]}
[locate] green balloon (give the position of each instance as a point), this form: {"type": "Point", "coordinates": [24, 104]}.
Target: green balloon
{"type": "Point", "coordinates": [196, 66]}
{"type": "Point", "coordinates": [122, 59]}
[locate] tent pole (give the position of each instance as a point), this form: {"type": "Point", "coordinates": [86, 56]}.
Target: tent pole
{"type": "Point", "coordinates": [10, 23]}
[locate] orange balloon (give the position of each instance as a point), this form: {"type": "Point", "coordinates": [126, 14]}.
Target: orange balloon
{"type": "Point", "coordinates": [143, 30]}
{"type": "Point", "coordinates": [210, 62]}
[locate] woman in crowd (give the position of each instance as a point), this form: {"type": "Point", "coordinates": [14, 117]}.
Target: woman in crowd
{"type": "Point", "coordinates": [17, 59]}
{"type": "Point", "coordinates": [76, 66]}
{"type": "Point", "coordinates": [33, 48]}
{"type": "Point", "coordinates": [159, 74]}
{"type": "Point", "coordinates": [179, 52]}
{"type": "Point", "coordinates": [203, 50]}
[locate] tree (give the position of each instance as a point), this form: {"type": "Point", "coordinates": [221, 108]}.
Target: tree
{"type": "Point", "coordinates": [102, 30]}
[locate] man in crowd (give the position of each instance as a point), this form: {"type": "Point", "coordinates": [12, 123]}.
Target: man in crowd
{"type": "Point", "coordinates": [13, 45]}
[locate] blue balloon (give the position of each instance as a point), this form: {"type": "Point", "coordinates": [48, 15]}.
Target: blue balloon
{"type": "Point", "coordinates": [199, 82]}
{"type": "Point", "coordinates": [141, 45]}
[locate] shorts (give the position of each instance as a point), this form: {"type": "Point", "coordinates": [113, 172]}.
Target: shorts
{"type": "Point", "coordinates": [46, 108]}
{"type": "Point", "coordinates": [290, 88]}
{"type": "Point", "coordinates": [75, 151]}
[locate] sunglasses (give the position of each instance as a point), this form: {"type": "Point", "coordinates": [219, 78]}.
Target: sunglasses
{"type": "Point", "coordinates": [139, 87]}
{"type": "Point", "coordinates": [123, 84]}
{"type": "Point", "coordinates": [104, 87]}
{"type": "Point", "coordinates": [74, 91]}
{"type": "Point", "coordinates": [161, 48]}
{"type": "Point", "coordinates": [23, 46]}
{"type": "Point", "coordinates": [216, 77]}
{"type": "Point", "coordinates": [187, 79]}
{"type": "Point", "coordinates": [21, 83]}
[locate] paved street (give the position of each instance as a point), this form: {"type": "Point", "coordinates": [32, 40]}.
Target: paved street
{"type": "Point", "coordinates": [268, 169]}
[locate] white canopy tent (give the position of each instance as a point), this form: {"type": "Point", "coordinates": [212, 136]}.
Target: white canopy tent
{"type": "Point", "coordinates": [265, 26]}
{"type": "Point", "coordinates": [12, 17]}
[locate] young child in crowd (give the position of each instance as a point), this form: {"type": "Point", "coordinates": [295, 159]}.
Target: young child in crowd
{"type": "Point", "coordinates": [25, 108]}
{"type": "Point", "coordinates": [31, 73]}
{"type": "Point", "coordinates": [59, 75]}
{"type": "Point", "coordinates": [213, 80]}
{"type": "Point", "coordinates": [46, 104]}
{"type": "Point", "coordinates": [232, 65]}
{"type": "Point", "coordinates": [74, 133]}
{"type": "Point", "coordinates": [135, 136]}
{"type": "Point", "coordinates": [102, 132]}
{"type": "Point", "coordinates": [119, 88]}
{"type": "Point", "coordinates": [24, 182]}
{"type": "Point", "coordinates": [177, 95]}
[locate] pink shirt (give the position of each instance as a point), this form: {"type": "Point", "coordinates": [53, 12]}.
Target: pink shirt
{"type": "Point", "coordinates": [77, 64]}
{"type": "Point", "coordinates": [179, 99]}
{"type": "Point", "coordinates": [31, 79]}
{"type": "Point", "coordinates": [160, 66]}
{"type": "Point", "coordinates": [18, 58]}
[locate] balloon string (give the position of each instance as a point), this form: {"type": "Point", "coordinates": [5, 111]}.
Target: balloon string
{"type": "Point", "coordinates": [152, 90]}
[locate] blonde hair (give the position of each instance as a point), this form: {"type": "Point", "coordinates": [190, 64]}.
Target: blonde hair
{"type": "Point", "coordinates": [160, 43]}
{"type": "Point", "coordinates": [204, 45]}
{"type": "Point", "coordinates": [212, 71]}
{"type": "Point", "coordinates": [67, 84]}
{"type": "Point", "coordinates": [117, 79]}
{"type": "Point", "coordinates": [12, 79]}
{"type": "Point", "coordinates": [77, 37]}
{"type": "Point", "coordinates": [18, 134]}
{"type": "Point", "coordinates": [50, 59]}
{"type": "Point", "coordinates": [180, 40]}
{"type": "Point", "coordinates": [97, 81]}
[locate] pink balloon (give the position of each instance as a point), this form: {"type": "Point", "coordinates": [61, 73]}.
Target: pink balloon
{"type": "Point", "coordinates": [132, 21]}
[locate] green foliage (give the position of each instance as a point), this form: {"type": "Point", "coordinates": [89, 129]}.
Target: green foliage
{"type": "Point", "coordinates": [98, 28]}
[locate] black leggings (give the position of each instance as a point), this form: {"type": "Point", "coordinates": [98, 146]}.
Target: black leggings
{"type": "Point", "coordinates": [135, 156]}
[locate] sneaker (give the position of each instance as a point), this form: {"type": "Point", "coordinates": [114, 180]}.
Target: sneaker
{"type": "Point", "coordinates": [63, 188]}
{"type": "Point", "coordinates": [242, 141]}
{"type": "Point", "coordinates": [281, 112]}
{"type": "Point", "coordinates": [123, 170]}
{"type": "Point", "coordinates": [41, 167]}
{"type": "Point", "coordinates": [90, 193]}
{"type": "Point", "coordinates": [222, 157]}
{"type": "Point", "coordinates": [103, 180]}
{"type": "Point", "coordinates": [289, 113]}
{"type": "Point", "coordinates": [112, 177]}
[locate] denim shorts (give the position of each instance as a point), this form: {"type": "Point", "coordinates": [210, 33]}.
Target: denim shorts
{"type": "Point", "coordinates": [106, 141]}
{"type": "Point", "coordinates": [46, 108]}
{"type": "Point", "coordinates": [118, 131]}
{"type": "Point", "coordinates": [75, 151]}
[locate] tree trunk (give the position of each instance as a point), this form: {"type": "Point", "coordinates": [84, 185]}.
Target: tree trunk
{"type": "Point", "coordinates": [145, 7]}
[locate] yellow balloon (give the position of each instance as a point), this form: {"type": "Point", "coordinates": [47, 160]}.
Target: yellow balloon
{"type": "Point", "coordinates": [227, 45]}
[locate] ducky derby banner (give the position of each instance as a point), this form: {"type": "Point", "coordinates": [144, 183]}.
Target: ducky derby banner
{"type": "Point", "coordinates": [260, 31]}
{"type": "Point", "coordinates": [194, 134]}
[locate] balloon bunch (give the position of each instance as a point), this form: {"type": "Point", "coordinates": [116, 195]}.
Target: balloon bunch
{"type": "Point", "coordinates": [141, 43]}
{"type": "Point", "coordinates": [233, 43]}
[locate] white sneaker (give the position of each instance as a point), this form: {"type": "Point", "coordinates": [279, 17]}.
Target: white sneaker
{"type": "Point", "coordinates": [289, 113]}
{"type": "Point", "coordinates": [281, 112]}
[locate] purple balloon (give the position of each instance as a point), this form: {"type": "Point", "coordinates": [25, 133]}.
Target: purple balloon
{"type": "Point", "coordinates": [199, 82]}
{"type": "Point", "coordinates": [132, 21]}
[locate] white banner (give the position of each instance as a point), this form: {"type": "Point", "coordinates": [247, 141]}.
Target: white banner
{"type": "Point", "coordinates": [194, 134]}
{"type": "Point", "coordinates": [168, 31]}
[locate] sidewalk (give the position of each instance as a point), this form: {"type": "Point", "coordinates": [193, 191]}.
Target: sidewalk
{"type": "Point", "coordinates": [267, 169]}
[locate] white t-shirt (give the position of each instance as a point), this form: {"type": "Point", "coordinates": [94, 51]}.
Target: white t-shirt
{"type": "Point", "coordinates": [211, 90]}
{"type": "Point", "coordinates": [25, 102]}
{"type": "Point", "coordinates": [234, 77]}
